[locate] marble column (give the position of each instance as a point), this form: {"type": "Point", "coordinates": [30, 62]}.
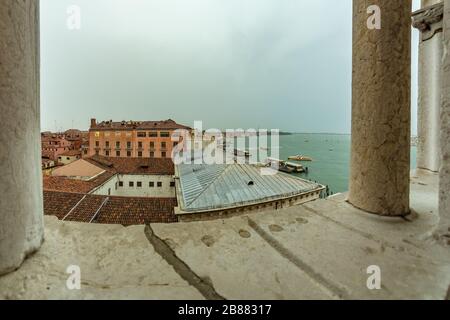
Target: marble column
{"type": "Point", "coordinates": [429, 21]}
{"type": "Point", "coordinates": [444, 187]}
{"type": "Point", "coordinates": [381, 108]}
{"type": "Point", "coordinates": [21, 209]}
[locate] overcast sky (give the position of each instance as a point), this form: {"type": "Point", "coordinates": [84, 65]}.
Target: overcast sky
{"type": "Point", "coordinates": [231, 63]}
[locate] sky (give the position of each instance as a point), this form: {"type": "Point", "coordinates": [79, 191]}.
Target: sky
{"type": "Point", "coordinates": [229, 63]}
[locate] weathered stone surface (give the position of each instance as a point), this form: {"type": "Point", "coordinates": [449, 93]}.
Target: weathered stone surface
{"type": "Point", "coordinates": [381, 109]}
{"type": "Point", "coordinates": [115, 263]}
{"type": "Point", "coordinates": [21, 215]}
{"type": "Point", "coordinates": [444, 206]}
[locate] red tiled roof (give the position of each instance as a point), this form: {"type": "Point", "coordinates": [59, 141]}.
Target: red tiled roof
{"type": "Point", "coordinates": [71, 153]}
{"type": "Point", "coordinates": [60, 203]}
{"type": "Point", "coordinates": [139, 125]}
{"type": "Point", "coordinates": [152, 166]}
{"type": "Point", "coordinates": [73, 185]}
{"type": "Point", "coordinates": [115, 210]}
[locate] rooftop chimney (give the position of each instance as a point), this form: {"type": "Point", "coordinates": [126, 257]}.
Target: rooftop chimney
{"type": "Point", "coordinates": [93, 122]}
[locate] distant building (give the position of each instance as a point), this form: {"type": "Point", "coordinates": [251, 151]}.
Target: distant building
{"type": "Point", "coordinates": [133, 139]}
{"type": "Point", "coordinates": [69, 156]}
{"type": "Point", "coordinates": [53, 145]}
{"type": "Point", "coordinates": [75, 137]}
{"type": "Point", "coordinates": [47, 164]}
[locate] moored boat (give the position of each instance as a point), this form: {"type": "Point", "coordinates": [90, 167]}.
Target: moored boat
{"type": "Point", "coordinates": [284, 166]}
{"type": "Point", "coordinates": [300, 158]}
{"type": "Point", "coordinates": [298, 168]}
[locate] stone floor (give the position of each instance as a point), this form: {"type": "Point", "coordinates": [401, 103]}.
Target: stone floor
{"type": "Point", "coordinates": [320, 250]}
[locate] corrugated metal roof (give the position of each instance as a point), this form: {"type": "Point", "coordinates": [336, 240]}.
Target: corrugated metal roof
{"type": "Point", "coordinates": [212, 187]}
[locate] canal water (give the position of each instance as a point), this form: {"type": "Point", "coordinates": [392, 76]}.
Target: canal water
{"type": "Point", "coordinates": [331, 154]}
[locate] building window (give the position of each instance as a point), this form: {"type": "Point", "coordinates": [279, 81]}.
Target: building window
{"type": "Point", "coordinates": [152, 145]}
{"type": "Point", "coordinates": [107, 153]}
{"type": "Point", "coordinates": [159, 184]}
{"type": "Point", "coordinates": [142, 134]}
{"type": "Point", "coordinates": [97, 152]}
{"type": "Point", "coordinates": [121, 184]}
{"type": "Point", "coordinates": [128, 154]}
{"type": "Point", "coordinates": [153, 134]}
{"type": "Point", "coordinates": [117, 153]}
{"type": "Point", "coordinates": [163, 145]}
{"type": "Point", "coordinates": [118, 144]}
{"type": "Point", "coordinates": [172, 184]}
{"type": "Point", "coordinates": [139, 184]}
{"type": "Point", "coordinates": [140, 154]}
{"type": "Point", "coordinates": [128, 145]}
{"type": "Point", "coordinates": [97, 143]}
{"type": "Point", "coordinates": [131, 184]}
{"type": "Point", "coordinates": [151, 184]}
{"type": "Point", "coordinates": [107, 144]}
{"type": "Point", "coordinates": [163, 154]}
{"type": "Point", "coordinates": [140, 144]}
{"type": "Point", "coordinates": [152, 154]}
{"type": "Point", "coordinates": [164, 135]}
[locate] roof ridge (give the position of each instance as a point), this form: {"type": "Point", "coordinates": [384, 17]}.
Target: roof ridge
{"type": "Point", "coordinates": [227, 166]}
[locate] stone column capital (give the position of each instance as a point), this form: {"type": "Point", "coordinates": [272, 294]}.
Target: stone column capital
{"type": "Point", "coordinates": [429, 20]}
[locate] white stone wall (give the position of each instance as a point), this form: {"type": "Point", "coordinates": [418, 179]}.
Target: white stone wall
{"type": "Point", "coordinates": [21, 206]}
{"type": "Point", "coordinates": [111, 187]}
{"type": "Point", "coordinates": [444, 201]}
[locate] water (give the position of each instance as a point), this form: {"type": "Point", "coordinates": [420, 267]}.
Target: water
{"type": "Point", "coordinates": [331, 154]}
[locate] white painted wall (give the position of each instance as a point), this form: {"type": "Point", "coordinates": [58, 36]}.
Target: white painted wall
{"type": "Point", "coordinates": [111, 187]}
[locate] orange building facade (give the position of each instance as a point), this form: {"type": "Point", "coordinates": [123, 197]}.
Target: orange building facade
{"type": "Point", "coordinates": [133, 139]}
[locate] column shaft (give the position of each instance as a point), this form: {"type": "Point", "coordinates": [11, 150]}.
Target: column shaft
{"type": "Point", "coordinates": [444, 187]}
{"type": "Point", "coordinates": [429, 21]}
{"type": "Point", "coordinates": [381, 108]}
{"type": "Point", "coordinates": [21, 209]}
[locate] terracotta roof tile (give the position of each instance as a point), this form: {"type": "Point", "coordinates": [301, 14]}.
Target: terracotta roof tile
{"type": "Point", "coordinates": [154, 166]}
{"type": "Point", "coordinates": [131, 211]}
{"type": "Point", "coordinates": [71, 153]}
{"type": "Point", "coordinates": [60, 203]}
{"type": "Point", "coordinates": [115, 210]}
